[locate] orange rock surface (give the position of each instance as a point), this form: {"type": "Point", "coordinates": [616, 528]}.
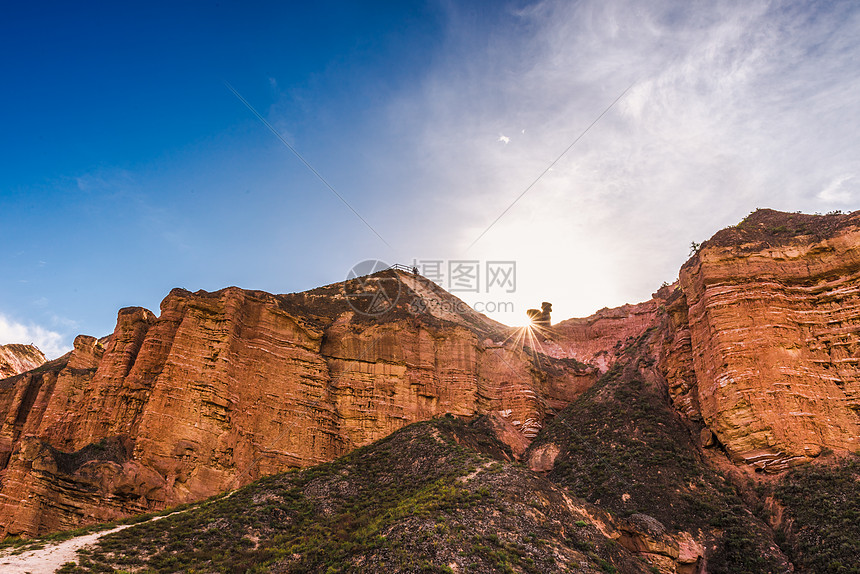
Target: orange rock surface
{"type": "Point", "coordinates": [224, 387]}
{"type": "Point", "coordinates": [597, 339]}
{"type": "Point", "coordinates": [773, 321]}
{"type": "Point", "coordinates": [758, 343]}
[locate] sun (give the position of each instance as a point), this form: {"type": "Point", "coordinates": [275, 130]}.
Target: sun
{"type": "Point", "coordinates": [531, 335]}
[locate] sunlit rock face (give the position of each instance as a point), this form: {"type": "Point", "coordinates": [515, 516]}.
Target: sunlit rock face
{"type": "Point", "coordinates": [16, 359]}
{"type": "Point", "coordinates": [771, 315]}
{"type": "Point", "coordinates": [758, 343]}
{"type": "Point", "coordinates": [224, 387]}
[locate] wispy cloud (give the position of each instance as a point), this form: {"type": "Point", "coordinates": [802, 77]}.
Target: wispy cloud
{"type": "Point", "coordinates": [51, 343]}
{"type": "Point", "coordinates": [844, 189]}
{"type": "Point", "coordinates": [107, 182]}
{"type": "Point", "coordinates": [735, 105]}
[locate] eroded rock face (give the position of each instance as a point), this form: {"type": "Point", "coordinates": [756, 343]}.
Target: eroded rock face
{"type": "Point", "coordinates": [758, 346]}
{"type": "Point", "coordinates": [224, 387]}
{"type": "Point", "coordinates": [16, 359]}
{"type": "Point", "coordinates": [773, 316]}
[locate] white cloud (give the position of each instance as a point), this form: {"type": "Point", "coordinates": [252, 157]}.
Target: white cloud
{"type": "Point", "coordinates": [842, 189]}
{"type": "Point", "coordinates": [51, 343]}
{"type": "Point", "coordinates": [734, 105]}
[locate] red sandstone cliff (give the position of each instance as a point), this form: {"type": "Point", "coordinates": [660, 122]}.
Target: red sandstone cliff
{"type": "Point", "coordinates": [224, 387]}
{"type": "Point", "coordinates": [759, 339]}
{"type": "Point", "coordinates": [769, 315]}
{"type": "Point", "coordinates": [758, 342]}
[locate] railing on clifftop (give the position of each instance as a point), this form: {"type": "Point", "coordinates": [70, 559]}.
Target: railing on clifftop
{"type": "Point", "coordinates": [405, 268]}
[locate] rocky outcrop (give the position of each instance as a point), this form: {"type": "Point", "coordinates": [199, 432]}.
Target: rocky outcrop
{"type": "Point", "coordinates": [645, 536]}
{"type": "Point", "coordinates": [769, 312]}
{"type": "Point", "coordinates": [541, 318]}
{"type": "Point", "coordinates": [760, 338]}
{"type": "Point", "coordinates": [16, 359]}
{"type": "Point", "coordinates": [224, 387]}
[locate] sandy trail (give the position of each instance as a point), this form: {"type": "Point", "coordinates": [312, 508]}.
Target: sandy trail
{"type": "Point", "coordinates": [49, 559]}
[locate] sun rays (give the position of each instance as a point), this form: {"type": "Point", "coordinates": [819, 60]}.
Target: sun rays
{"type": "Point", "coordinates": [529, 336]}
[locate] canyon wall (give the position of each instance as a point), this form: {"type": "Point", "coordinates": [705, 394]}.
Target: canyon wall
{"type": "Point", "coordinates": [598, 339]}
{"type": "Point", "coordinates": [758, 342]}
{"type": "Point", "coordinates": [757, 345]}
{"type": "Point", "coordinates": [224, 387]}
{"type": "Point", "coordinates": [769, 312]}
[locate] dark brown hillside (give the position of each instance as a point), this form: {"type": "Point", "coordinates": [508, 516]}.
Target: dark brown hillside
{"type": "Point", "coordinates": [429, 498]}
{"type": "Point", "coordinates": [622, 447]}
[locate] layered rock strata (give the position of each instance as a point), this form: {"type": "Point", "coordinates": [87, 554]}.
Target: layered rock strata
{"type": "Point", "coordinates": [769, 312]}
{"type": "Point", "coordinates": [224, 387]}
{"type": "Point", "coordinates": [758, 345]}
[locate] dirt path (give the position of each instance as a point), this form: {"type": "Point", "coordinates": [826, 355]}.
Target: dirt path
{"type": "Point", "coordinates": [48, 559]}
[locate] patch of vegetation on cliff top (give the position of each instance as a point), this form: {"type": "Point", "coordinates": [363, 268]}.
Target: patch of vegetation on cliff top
{"type": "Point", "coordinates": [420, 500]}
{"type": "Point", "coordinates": [768, 227]}
{"type": "Point", "coordinates": [621, 437]}
{"type": "Point", "coordinates": [822, 503]}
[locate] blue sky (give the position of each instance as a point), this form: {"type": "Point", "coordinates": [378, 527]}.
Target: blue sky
{"type": "Point", "coordinates": [128, 167]}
